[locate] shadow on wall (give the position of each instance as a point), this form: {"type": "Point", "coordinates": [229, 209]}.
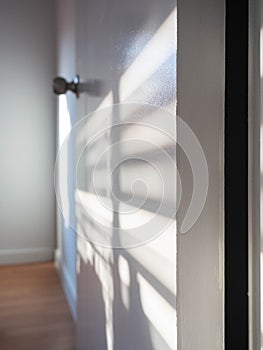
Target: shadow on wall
{"type": "Point", "coordinates": [129, 326]}
{"type": "Point", "coordinates": [130, 320]}
{"type": "Point", "coordinates": [132, 323]}
{"type": "Point", "coordinates": [92, 330]}
{"type": "Point", "coordinates": [126, 304]}
{"type": "Point", "coordinates": [126, 297]}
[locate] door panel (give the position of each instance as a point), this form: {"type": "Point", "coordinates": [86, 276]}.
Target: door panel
{"type": "Point", "coordinates": [128, 282]}
{"type": "Point", "coordinates": [125, 300]}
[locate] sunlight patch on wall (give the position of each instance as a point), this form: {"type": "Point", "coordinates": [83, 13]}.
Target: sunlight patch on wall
{"type": "Point", "coordinates": [158, 311]}
{"type": "Point", "coordinates": [154, 54]}
{"type": "Point", "coordinates": [64, 127]}
{"type": "Point", "coordinates": [64, 119]}
{"type": "Point", "coordinates": [125, 278]}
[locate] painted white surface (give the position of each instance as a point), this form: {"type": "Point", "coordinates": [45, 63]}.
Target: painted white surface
{"type": "Point", "coordinates": [200, 92]}
{"type": "Point", "coordinates": [66, 239]}
{"type": "Point", "coordinates": [126, 297]}
{"type": "Point", "coordinates": [27, 56]}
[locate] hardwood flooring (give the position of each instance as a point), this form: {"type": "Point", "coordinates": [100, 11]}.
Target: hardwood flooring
{"type": "Point", "coordinates": [34, 314]}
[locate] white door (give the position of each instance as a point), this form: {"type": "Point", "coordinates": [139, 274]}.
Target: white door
{"type": "Point", "coordinates": [128, 186]}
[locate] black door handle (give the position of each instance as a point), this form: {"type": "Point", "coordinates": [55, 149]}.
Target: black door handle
{"type": "Point", "coordinates": [61, 86]}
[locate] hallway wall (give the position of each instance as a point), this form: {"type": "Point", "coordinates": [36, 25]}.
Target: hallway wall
{"type": "Point", "coordinates": [27, 62]}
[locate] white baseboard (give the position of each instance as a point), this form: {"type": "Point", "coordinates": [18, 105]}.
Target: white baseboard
{"type": "Point", "coordinates": [67, 284]}
{"type": "Point", "coordinates": [24, 256]}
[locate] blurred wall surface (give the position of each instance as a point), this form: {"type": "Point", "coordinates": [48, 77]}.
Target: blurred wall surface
{"type": "Point", "coordinates": [27, 65]}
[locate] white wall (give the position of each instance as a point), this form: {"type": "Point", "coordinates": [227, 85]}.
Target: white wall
{"type": "Point", "coordinates": [66, 239]}
{"type": "Point", "coordinates": [27, 60]}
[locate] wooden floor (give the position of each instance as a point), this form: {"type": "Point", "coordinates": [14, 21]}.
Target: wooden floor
{"type": "Point", "coordinates": [34, 314]}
